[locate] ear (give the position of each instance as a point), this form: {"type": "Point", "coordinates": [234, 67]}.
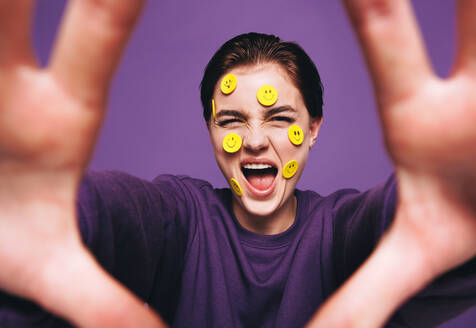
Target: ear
{"type": "Point", "coordinates": [315, 126]}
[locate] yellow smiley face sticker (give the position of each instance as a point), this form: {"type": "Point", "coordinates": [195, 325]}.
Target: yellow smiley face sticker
{"type": "Point", "coordinates": [295, 135]}
{"type": "Point", "coordinates": [232, 143]}
{"type": "Point", "coordinates": [267, 95]}
{"type": "Point", "coordinates": [228, 84]}
{"type": "Point", "coordinates": [236, 187]}
{"type": "Point", "coordinates": [213, 108]}
{"type": "Point", "coordinates": [290, 169]}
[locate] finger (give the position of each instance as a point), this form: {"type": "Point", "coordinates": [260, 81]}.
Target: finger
{"type": "Point", "coordinates": [466, 55]}
{"type": "Point", "coordinates": [15, 35]}
{"type": "Point", "coordinates": [392, 46]}
{"type": "Point", "coordinates": [92, 37]}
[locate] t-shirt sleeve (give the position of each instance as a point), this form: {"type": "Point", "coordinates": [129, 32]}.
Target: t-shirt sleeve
{"type": "Point", "coordinates": [140, 231]}
{"type": "Point", "coordinates": [121, 222]}
{"type": "Point", "coordinates": [128, 224]}
{"type": "Point", "coordinates": [360, 219]}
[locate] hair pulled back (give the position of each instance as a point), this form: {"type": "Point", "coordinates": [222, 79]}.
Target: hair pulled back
{"type": "Point", "coordinates": [256, 48]}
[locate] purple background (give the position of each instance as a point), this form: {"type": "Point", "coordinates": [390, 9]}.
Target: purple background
{"type": "Point", "coordinates": [154, 124]}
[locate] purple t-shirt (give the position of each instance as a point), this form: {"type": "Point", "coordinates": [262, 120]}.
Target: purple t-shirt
{"type": "Point", "coordinates": [177, 245]}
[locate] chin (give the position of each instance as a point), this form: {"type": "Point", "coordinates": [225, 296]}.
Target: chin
{"type": "Point", "coordinates": [258, 207]}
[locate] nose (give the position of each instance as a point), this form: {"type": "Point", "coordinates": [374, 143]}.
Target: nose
{"type": "Point", "coordinates": [255, 140]}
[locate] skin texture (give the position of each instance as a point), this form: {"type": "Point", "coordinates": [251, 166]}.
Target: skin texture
{"type": "Point", "coordinates": [433, 150]}
{"type": "Point", "coordinates": [264, 138]}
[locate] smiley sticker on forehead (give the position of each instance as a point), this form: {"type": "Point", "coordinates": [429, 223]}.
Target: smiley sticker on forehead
{"type": "Point", "coordinates": [232, 142]}
{"type": "Point", "coordinates": [267, 95]}
{"type": "Point", "coordinates": [228, 84]}
{"type": "Point", "coordinates": [290, 169]}
{"type": "Point", "coordinates": [236, 187]}
{"type": "Point", "coordinates": [295, 135]}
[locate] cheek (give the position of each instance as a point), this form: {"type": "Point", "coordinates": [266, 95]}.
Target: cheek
{"type": "Point", "coordinates": [216, 142]}
{"type": "Point", "coordinates": [216, 138]}
{"type": "Point", "coordinates": [224, 160]}
{"type": "Point", "coordinates": [287, 150]}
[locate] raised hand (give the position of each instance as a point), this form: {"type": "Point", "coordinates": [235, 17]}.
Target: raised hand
{"type": "Point", "coordinates": [49, 119]}
{"type": "Point", "coordinates": [429, 127]}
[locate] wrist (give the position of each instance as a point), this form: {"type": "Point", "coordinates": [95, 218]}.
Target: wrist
{"type": "Point", "coordinates": [394, 272]}
{"type": "Point", "coordinates": [435, 219]}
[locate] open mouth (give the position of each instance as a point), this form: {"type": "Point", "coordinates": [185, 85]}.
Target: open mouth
{"type": "Point", "coordinates": [259, 176]}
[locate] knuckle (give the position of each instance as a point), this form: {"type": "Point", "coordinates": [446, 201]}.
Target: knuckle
{"type": "Point", "coordinates": [362, 11]}
{"type": "Point", "coordinates": [122, 13]}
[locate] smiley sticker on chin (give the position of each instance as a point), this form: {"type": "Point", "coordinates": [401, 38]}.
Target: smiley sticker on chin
{"type": "Point", "coordinates": [290, 169]}
{"type": "Point", "coordinates": [267, 95]}
{"type": "Point", "coordinates": [232, 142]}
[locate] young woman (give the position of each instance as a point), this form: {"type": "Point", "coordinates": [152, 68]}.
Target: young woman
{"type": "Point", "coordinates": [261, 253]}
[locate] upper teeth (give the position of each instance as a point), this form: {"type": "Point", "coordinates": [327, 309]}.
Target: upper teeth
{"type": "Point", "coordinates": [257, 166]}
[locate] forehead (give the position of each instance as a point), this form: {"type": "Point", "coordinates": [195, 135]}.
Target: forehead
{"type": "Point", "coordinates": [250, 79]}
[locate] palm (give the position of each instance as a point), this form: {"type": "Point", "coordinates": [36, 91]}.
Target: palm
{"type": "Point", "coordinates": [428, 125]}
{"type": "Point", "coordinates": [49, 120]}
{"type": "Point", "coordinates": [43, 125]}
{"type": "Point", "coordinates": [429, 130]}
{"type": "Point", "coordinates": [432, 140]}
{"type": "Point", "coordinates": [433, 128]}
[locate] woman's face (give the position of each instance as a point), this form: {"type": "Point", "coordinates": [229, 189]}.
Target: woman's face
{"type": "Point", "coordinates": [266, 148]}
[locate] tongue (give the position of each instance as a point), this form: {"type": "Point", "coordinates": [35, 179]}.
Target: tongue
{"type": "Point", "coordinates": [261, 181]}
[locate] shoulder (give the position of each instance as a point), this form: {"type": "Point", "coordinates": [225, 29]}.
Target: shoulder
{"type": "Point", "coordinates": [371, 210]}
{"type": "Point", "coordinates": [181, 183]}
{"type": "Point", "coordinates": [343, 201]}
{"type": "Point", "coordinates": [117, 189]}
{"type": "Point", "coordinates": [112, 181]}
{"type": "Point", "coordinates": [349, 200]}
{"type": "Point", "coordinates": [314, 201]}
{"type": "Point", "coordinates": [185, 188]}
{"type": "Point", "coordinates": [116, 181]}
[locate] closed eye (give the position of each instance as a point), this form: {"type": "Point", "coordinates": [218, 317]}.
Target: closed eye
{"type": "Point", "coordinates": [229, 122]}
{"type": "Point", "coordinates": [282, 119]}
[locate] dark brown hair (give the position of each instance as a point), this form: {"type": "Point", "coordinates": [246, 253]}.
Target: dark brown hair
{"type": "Point", "coordinates": [255, 48]}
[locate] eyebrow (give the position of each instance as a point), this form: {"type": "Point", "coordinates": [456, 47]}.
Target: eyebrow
{"type": "Point", "coordinates": [230, 112]}
{"type": "Point", "coordinates": [277, 110]}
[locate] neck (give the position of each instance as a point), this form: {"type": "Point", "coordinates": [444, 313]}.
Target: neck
{"type": "Point", "coordinates": [272, 224]}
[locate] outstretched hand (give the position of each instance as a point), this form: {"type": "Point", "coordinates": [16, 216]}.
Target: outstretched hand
{"type": "Point", "coordinates": [49, 119]}
{"type": "Point", "coordinates": [429, 130]}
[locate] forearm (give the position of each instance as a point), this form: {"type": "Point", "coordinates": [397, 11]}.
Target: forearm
{"type": "Point", "coordinates": [44, 260]}
{"type": "Point", "coordinates": [419, 246]}
{"type": "Point", "coordinates": [383, 283]}
{"type": "Point", "coordinates": [87, 296]}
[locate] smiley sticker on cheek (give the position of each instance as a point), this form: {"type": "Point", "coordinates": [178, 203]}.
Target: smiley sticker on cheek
{"type": "Point", "coordinates": [236, 187]}
{"type": "Point", "coordinates": [295, 135]}
{"type": "Point", "coordinates": [228, 84]}
{"type": "Point", "coordinates": [232, 142]}
{"type": "Point", "coordinates": [290, 169]}
{"type": "Point", "coordinates": [267, 95]}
